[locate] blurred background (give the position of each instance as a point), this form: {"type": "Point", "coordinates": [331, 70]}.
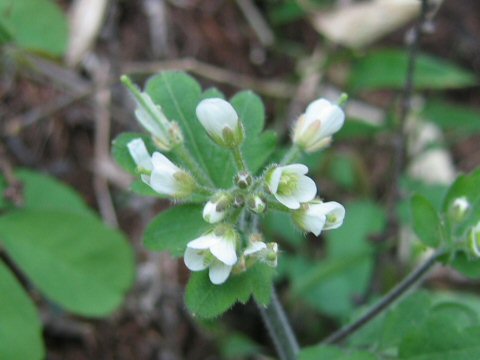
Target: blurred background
{"type": "Point", "coordinates": [62, 104]}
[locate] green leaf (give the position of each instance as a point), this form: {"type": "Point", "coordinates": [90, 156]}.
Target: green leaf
{"type": "Point", "coordinates": [75, 260]}
{"type": "Point", "coordinates": [37, 25]}
{"type": "Point", "coordinates": [212, 92]}
{"type": "Point", "coordinates": [464, 186]}
{"type": "Point", "coordinates": [258, 146]}
{"type": "Point", "coordinates": [179, 94]}
{"type": "Point", "coordinates": [172, 229]}
{"type": "Point", "coordinates": [467, 266]}
{"type": "Point", "coordinates": [207, 300]}
{"type": "Point", "coordinates": [43, 192]}
{"type": "Point", "coordinates": [20, 327]}
{"type": "Point", "coordinates": [426, 222]}
{"type": "Point", "coordinates": [238, 346]}
{"type": "Point", "coordinates": [121, 154]}
{"type": "Point", "coordinates": [459, 119]}
{"type": "Point", "coordinates": [331, 285]}
{"type": "Point", "coordinates": [333, 353]}
{"type": "Point", "coordinates": [387, 69]}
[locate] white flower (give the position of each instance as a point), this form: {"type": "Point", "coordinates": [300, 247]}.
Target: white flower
{"type": "Point", "coordinates": [216, 252]}
{"type": "Point", "coordinates": [267, 253]}
{"type": "Point", "coordinates": [221, 122]}
{"type": "Point", "coordinates": [215, 209]}
{"type": "Point", "coordinates": [313, 129]}
{"type": "Point", "coordinates": [474, 240]}
{"type": "Point", "coordinates": [317, 216]}
{"type": "Point", "coordinates": [459, 208]}
{"type": "Point", "coordinates": [160, 173]}
{"type": "Point", "coordinates": [290, 186]}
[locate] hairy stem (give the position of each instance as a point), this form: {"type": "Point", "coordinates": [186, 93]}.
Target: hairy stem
{"type": "Point", "coordinates": [406, 284]}
{"type": "Point", "coordinates": [239, 160]}
{"type": "Point", "coordinates": [279, 329]}
{"type": "Point", "coordinates": [292, 155]}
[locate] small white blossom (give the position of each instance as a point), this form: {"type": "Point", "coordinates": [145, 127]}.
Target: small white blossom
{"type": "Point", "coordinates": [267, 253]}
{"type": "Point", "coordinates": [160, 173]}
{"type": "Point", "coordinates": [216, 209]}
{"type": "Point", "coordinates": [313, 129]}
{"type": "Point", "coordinates": [221, 122]}
{"type": "Point", "coordinates": [256, 204]}
{"type": "Point", "coordinates": [317, 216]}
{"type": "Point", "coordinates": [474, 240]}
{"type": "Point", "coordinates": [290, 186]}
{"type": "Point", "coordinates": [459, 208]}
{"type": "Point", "coordinates": [215, 252]}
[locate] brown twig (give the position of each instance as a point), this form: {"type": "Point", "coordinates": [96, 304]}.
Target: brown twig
{"type": "Point", "coordinates": [273, 88]}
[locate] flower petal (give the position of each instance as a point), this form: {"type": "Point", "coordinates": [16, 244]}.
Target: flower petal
{"type": "Point", "coordinates": [273, 179]}
{"type": "Point", "coordinates": [289, 201]}
{"type": "Point", "coordinates": [138, 152]}
{"type": "Point", "coordinates": [315, 108]}
{"type": "Point", "coordinates": [203, 242]}
{"type": "Point", "coordinates": [163, 183]}
{"type": "Point", "coordinates": [219, 272]}
{"type": "Point", "coordinates": [194, 260]}
{"type": "Point", "coordinates": [224, 250]}
{"type": "Point", "coordinates": [295, 168]}
{"type": "Point", "coordinates": [254, 247]}
{"type": "Point", "coordinates": [306, 189]}
{"type": "Point", "coordinates": [162, 164]}
{"type": "Point", "coordinates": [314, 224]}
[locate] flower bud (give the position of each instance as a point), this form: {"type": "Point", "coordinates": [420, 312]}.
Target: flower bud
{"type": "Point", "coordinates": [221, 122]}
{"type": "Point", "coordinates": [314, 129]}
{"type": "Point", "coordinates": [317, 216]}
{"type": "Point", "coordinates": [256, 204]}
{"type": "Point", "coordinates": [243, 180]}
{"type": "Point", "coordinates": [165, 133]}
{"type": "Point", "coordinates": [216, 209]}
{"type": "Point", "coordinates": [474, 240]}
{"type": "Point", "coordinates": [458, 209]}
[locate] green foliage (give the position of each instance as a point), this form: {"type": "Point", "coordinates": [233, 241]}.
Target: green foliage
{"type": "Point", "coordinates": [172, 229]}
{"type": "Point", "coordinates": [238, 346]}
{"type": "Point", "coordinates": [179, 94]}
{"type": "Point", "coordinates": [37, 25]}
{"type": "Point", "coordinates": [74, 260]}
{"type": "Point", "coordinates": [426, 222]}
{"type": "Point", "coordinates": [333, 353]}
{"type": "Point", "coordinates": [459, 119]}
{"type": "Point", "coordinates": [425, 326]}
{"type": "Point", "coordinates": [207, 300]}
{"type": "Point", "coordinates": [66, 252]}
{"type": "Point", "coordinates": [387, 69]}
{"type": "Point", "coordinates": [331, 285]}
{"type": "Point", "coordinates": [20, 327]}
{"type": "Point", "coordinates": [121, 154]}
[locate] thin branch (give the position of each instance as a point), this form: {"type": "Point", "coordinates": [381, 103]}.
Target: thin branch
{"type": "Point", "coordinates": [393, 295]}
{"type": "Point", "coordinates": [273, 88]}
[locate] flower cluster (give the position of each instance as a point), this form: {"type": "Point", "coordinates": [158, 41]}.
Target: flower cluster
{"type": "Point", "coordinates": [228, 247]}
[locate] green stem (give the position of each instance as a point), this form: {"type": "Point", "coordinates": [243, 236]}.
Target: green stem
{"type": "Point", "coordinates": [385, 302]}
{"type": "Point", "coordinates": [292, 155]}
{"type": "Point", "coordinates": [237, 155]}
{"type": "Point", "coordinates": [182, 152]}
{"type": "Point", "coordinates": [279, 329]}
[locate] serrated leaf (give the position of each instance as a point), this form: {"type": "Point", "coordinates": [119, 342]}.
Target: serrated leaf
{"type": "Point", "coordinates": [172, 229]}
{"type": "Point", "coordinates": [20, 327]}
{"type": "Point", "coordinates": [426, 222]}
{"type": "Point", "coordinates": [75, 260]}
{"type": "Point", "coordinates": [37, 25]}
{"type": "Point", "coordinates": [387, 69]}
{"type": "Point", "coordinates": [207, 300]}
